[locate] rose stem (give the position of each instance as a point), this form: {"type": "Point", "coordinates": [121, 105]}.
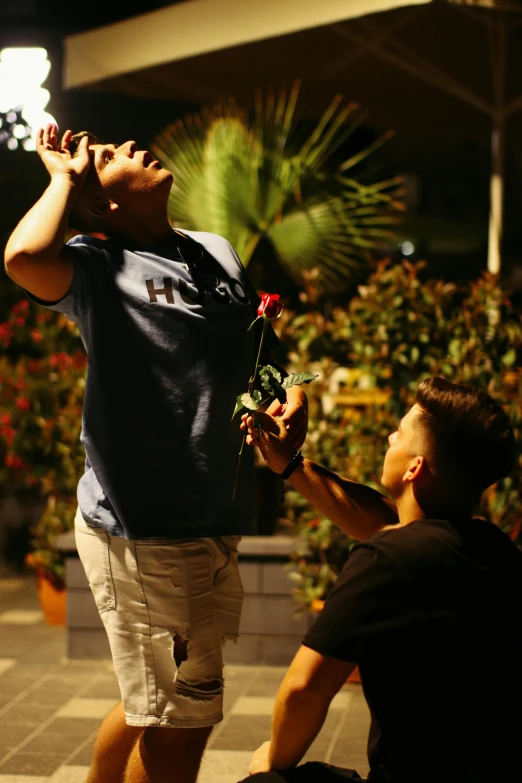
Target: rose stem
{"type": "Point", "coordinates": [250, 390]}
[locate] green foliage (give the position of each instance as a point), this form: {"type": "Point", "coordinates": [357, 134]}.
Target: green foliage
{"type": "Point", "coordinates": [249, 178]}
{"type": "Point", "coordinates": [370, 356]}
{"type": "Point", "coordinates": [42, 381]}
{"type": "Point", "coordinates": [57, 518]}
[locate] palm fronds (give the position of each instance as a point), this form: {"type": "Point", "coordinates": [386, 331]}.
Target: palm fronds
{"type": "Point", "coordinates": [247, 177]}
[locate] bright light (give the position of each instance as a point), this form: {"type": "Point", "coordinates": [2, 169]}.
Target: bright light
{"type": "Point", "coordinates": [20, 131]}
{"type": "Point", "coordinates": [22, 97]}
{"type": "Point", "coordinates": [407, 248]}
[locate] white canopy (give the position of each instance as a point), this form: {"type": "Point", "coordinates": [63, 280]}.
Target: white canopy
{"type": "Point", "coordinates": [197, 27]}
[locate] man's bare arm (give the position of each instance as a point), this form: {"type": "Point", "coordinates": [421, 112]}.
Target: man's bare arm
{"type": "Point", "coordinates": [357, 509]}
{"type": "Point", "coordinates": [301, 706]}
{"type": "Point", "coordinates": [35, 257]}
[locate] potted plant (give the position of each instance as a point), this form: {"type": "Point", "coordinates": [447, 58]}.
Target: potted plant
{"type": "Point", "coordinates": [48, 563]}
{"type": "Point", "coordinates": [42, 369]}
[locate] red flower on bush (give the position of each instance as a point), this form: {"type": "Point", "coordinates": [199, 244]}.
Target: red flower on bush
{"type": "Point", "coordinates": [13, 461]}
{"type": "Point", "coordinates": [21, 307]}
{"type": "Point", "coordinates": [5, 333]}
{"type": "Point", "coordinates": [5, 419]}
{"type": "Point", "coordinates": [8, 434]}
{"type": "Point", "coordinates": [19, 321]}
{"type": "Point", "coordinates": [60, 360]}
{"type": "Point", "coordinates": [23, 404]}
{"type": "Point", "coordinates": [36, 335]}
{"type": "Point", "coordinates": [270, 306]}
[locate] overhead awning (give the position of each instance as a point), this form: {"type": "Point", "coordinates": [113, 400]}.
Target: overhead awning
{"type": "Point", "coordinates": [436, 67]}
{"type": "Point", "coordinates": [197, 27]}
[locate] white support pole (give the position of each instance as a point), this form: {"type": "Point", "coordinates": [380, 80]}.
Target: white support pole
{"type": "Point", "coordinates": [496, 205]}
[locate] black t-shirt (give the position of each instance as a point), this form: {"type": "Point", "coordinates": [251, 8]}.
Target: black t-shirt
{"type": "Point", "coordinates": [431, 613]}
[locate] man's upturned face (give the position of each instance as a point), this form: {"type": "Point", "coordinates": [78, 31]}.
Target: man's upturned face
{"type": "Point", "coordinates": [404, 447]}
{"type": "Point", "coordinates": [125, 172]}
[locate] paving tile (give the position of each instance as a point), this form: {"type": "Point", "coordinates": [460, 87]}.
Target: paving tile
{"type": "Point", "coordinates": [253, 705]}
{"type": "Point", "coordinates": [13, 734]}
{"type": "Point", "coordinates": [31, 764]}
{"type": "Point", "coordinates": [230, 696]}
{"type": "Point", "coordinates": [82, 728]}
{"type": "Point", "coordinates": [86, 708]}
{"type": "Point", "coordinates": [243, 732]}
{"type": "Point", "coordinates": [69, 774]}
{"type": "Point", "coordinates": [22, 779]}
{"type": "Point", "coordinates": [21, 617]}
{"type": "Point", "coordinates": [102, 689]}
{"type": "Point", "coordinates": [224, 766]}
{"type": "Point", "coordinates": [83, 757]}
{"type": "Point", "coordinates": [49, 696]}
{"type": "Point", "coordinates": [268, 683]}
{"type": "Point", "coordinates": [26, 712]}
{"type": "Point", "coordinates": [6, 664]}
{"type": "Point", "coordinates": [51, 742]}
{"type": "Point", "coordinates": [29, 673]}
{"type": "Point", "coordinates": [342, 700]}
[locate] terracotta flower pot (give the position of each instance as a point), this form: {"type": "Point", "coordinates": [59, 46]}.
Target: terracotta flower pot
{"type": "Point", "coordinates": [316, 606]}
{"type": "Point", "coordinates": [52, 600]}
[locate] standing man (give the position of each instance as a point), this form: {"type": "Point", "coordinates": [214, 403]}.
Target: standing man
{"type": "Point", "coordinates": [429, 607]}
{"type": "Point", "coordinates": [164, 317]}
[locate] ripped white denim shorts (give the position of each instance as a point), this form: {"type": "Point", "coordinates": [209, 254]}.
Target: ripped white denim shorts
{"type": "Point", "coordinates": [167, 606]}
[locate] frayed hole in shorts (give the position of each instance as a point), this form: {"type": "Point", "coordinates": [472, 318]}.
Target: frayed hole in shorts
{"type": "Point", "coordinates": [180, 648]}
{"type": "Point", "coordinates": [205, 690]}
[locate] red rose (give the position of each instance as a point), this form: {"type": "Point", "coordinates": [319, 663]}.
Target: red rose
{"type": "Point", "coordinates": [270, 306]}
{"type": "Point", "coordinates": [23, 404]}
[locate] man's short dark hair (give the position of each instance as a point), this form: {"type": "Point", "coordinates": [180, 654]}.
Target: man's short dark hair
{"type": "Point", "coordinates": [75, 220]}
{"type": "Point", "coordinates": [469, 435]}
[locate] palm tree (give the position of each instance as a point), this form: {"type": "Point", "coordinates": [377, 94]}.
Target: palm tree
{"type": "Point", "coordinates": [249, 177]}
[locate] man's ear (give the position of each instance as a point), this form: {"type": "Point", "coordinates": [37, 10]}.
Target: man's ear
{"type": "Point", "coordinates": [102, 207]}
{"type": "Point", "coordinates": [415, 469]}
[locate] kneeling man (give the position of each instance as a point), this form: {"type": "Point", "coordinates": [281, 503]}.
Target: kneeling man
{"type": "Point", "coordinates": [428, 605]}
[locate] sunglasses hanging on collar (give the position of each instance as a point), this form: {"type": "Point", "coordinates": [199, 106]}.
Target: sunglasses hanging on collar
{"type": "Point", "coordinates": [199, 264]}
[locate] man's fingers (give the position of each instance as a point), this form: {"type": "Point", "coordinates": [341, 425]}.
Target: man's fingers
{"type": "Point", "coordinates": [66, 138]}
{"type": "Point", "coordinates": [48, 137]}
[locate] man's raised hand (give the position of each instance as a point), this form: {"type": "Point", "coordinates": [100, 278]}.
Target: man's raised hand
{"type": "Point", "coordinates": [57, 158]}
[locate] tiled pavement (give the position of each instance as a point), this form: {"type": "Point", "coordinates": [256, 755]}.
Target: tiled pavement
{"type": "Point", "coordinates": [50, 708]}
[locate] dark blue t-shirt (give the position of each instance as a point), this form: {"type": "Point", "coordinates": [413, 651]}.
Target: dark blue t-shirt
{"type": "Point", "coordinates": [166, 362]}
